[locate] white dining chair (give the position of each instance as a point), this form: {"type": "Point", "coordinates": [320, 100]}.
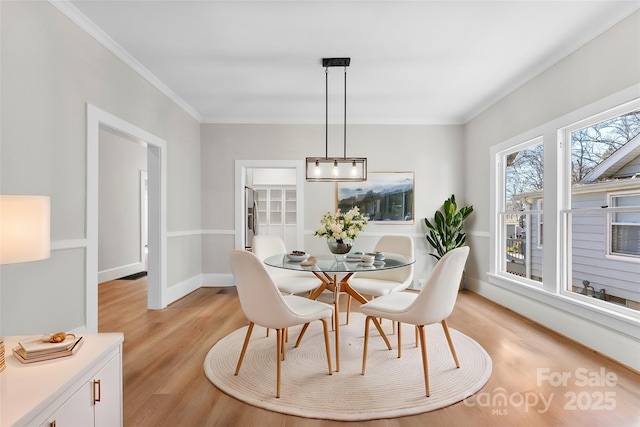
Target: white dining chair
{"type": "Point", "coordinates": [378, 283]}
{"type": "Point", "coordinates": [264, 305]}
{"type": "Point", "coordinates": [433, 304]}
{"type": "Point", "coordinates": [287, 281]}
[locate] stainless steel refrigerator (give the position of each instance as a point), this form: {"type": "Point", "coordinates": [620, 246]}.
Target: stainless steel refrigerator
{"type": "Point", "coordinates": [251, 216]}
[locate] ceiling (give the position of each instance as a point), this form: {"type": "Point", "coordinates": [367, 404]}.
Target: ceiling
{"type": "Point", "coordinates": [412, 62]}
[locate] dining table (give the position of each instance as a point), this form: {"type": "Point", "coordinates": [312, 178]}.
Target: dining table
{"type": "Point", "coordinates": [334, 274]}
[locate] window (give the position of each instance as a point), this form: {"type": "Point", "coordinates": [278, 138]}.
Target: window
{"type": "Point", "coordinates": [522, 176]}
{"type": "Point", "coordinates": [573, 184]}
{"type": "Point", "coordinates": [624, 230]}
{"type": "Point", "coordinates": [604, 218]}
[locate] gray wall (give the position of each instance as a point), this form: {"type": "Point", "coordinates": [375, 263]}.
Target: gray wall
{"type": "Point", "coordinates": [605, 66]}
{"type": "Point", "coordinates": [434, 153]}
{"type": "Point", "coordinates": [120, 209]}
{"type": "Point", "coordinates": [50, 70]}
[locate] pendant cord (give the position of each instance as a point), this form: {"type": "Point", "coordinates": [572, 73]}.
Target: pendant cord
{"type": "Point", "coordinates": [326, 112]}
{"type": "Point", "coordinates": [345, 112]}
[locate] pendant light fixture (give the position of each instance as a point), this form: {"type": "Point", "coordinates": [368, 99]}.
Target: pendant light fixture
{"type": "Point", "coordinates": [336, 168]}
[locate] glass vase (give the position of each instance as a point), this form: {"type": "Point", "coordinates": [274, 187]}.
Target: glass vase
{"type": "Point", "coordinates": [340, 248]}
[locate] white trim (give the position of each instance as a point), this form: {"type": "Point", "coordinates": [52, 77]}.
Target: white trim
{"type": "Point", "coordinates": [221, 232]}
{"type": "Point", "coordinates": [622, 327]}
{"type": "Point", "coordinates": [185, 233]}
{"type": "Point", "coordinates": [625, 324]}
{"type": "Point", "coordinates": [121, 271]}
{"type": "Point", "coordinates": [157, 193]}
{"type": "Point", "coordinates": [217, 280]}
{"type": "Point", "coordinates": [61, 245]}
{"type": "Point", "coordinates": [483, 234]}
{"type": "Point", "coordinates": [183, 288]}
{"type": "Point", "coordinates": [571, 318]}
{"type": "Point", "coordinates": [241, 167]}
{"type": "Point", "coordinates": [71, 12]}
{"type": "Point", "coordinates": [144, 217]}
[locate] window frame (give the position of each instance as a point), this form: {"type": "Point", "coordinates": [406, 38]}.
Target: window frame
{"type": "Point", "coordinates": [552, 294]}
{"type": "Point", "coordinates": [503, 213]}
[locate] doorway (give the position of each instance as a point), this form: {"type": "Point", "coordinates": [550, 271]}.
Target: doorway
{"type": "Point", "coordinates": [243, 167]}
{"type": "Point", "coordinates": [156, 205]}
{"type": "Point", "coordinates": [122, 218]}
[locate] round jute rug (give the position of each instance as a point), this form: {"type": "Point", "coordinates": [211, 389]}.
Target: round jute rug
{"type": "Point", "coordinates": [392, 387]}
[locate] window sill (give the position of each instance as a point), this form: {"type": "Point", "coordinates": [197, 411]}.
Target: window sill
{"type": "Point", "coordinates": [626, 324]}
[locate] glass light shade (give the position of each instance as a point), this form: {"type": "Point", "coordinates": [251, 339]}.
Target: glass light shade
{"type": "Point", "coordinates": [24, 228]}
{"type": "Point", "coordinates": [336, 169]}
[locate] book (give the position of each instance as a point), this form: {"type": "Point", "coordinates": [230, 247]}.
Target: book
{"type": "Point", "coordinates": [36, 347]}
{"type": "Point", "coordinates": [22, 356]}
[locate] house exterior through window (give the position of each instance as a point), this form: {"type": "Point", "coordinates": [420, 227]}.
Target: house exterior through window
{"type": "Point", "coordinates": [594, 200]}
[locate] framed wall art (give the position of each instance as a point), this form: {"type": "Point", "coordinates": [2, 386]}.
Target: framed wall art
{"type": "Point", "coordinates": [385, 197]}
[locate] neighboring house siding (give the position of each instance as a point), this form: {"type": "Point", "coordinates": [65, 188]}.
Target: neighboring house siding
{"type": "Point", "coordinates": [619, 277]}
{"type": "Point", "coordinates": [631, 168]}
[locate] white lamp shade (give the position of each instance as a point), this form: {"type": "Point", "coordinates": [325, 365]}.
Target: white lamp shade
{"type": "Point", "coordinates": [24, 228]}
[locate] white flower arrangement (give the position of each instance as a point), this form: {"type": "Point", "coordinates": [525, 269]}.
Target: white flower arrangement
{"type": "Point", "coordinates": [341, 227]}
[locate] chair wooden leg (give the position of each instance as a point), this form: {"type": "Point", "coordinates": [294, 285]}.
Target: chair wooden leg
{"type": "Point", "coordinates": [325, 327]}
{"type": "Point", "coordinates": [399, 339]}
{"type": "Point", "coordinates": [267, 332]}
{"type": "Point", "coordinates": [348, 307]}
{"type": "Point", "coordinates": [453, 350]}
{"type": "Point", "coordinates": [304, 329]}
{"type": "Point", "coordinates": [337, 333]}
{"type": "Point", "coordinates": [244, 347]}
{"type": "Point", "coordinates": [417, 339]}
{"type": "Point", "coordinates": [282, 342]}
{"type": "Point", "coordinates": [425, 364]}
{"type": "Point", "coordinates": [279, 333]}
{"type": "Point", "coordinates": [366, 343]}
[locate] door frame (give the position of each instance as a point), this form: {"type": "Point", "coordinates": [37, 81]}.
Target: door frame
{"type": "Point", "coordinates": [157, 204]}
{"type": "Point", "coordinates": [241, 167]}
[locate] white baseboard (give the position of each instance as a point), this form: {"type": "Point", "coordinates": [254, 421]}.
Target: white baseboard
{"type": "Point", "coordinates": [217, 279]}
{"type": "Point", "coordinates": [185, 287]}
{"type": "Point", "coordinates": [118, 272]}
{"type": "Point", "coordinates": [612, 343]}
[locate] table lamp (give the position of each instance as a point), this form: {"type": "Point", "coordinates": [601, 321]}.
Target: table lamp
{"type": "Point", "coordinates": [24, 234]}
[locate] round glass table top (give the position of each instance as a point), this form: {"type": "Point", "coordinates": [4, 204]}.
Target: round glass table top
{"type": "Point", "coordinates": [329, 264]}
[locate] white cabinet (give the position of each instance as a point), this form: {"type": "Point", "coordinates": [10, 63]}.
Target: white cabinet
{"type": "Point", "coordinates": [277, 213]}
{"type": "Point", "coordinates": [77, 411]}
{"type": "Point", "coordinates": [290, 207]}
{"type": "Point", "coordinates": [81, 390]}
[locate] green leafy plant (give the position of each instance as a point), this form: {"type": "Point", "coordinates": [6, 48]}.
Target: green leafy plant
{"type": "Point", "coordinates": [445, 233]}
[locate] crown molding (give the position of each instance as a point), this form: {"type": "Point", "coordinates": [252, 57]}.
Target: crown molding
{"type": "Point", "coordinates": [71, 12]}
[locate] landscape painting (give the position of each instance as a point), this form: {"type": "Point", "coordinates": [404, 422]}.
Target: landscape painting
{"type": "Point", "coordinates": [385, 197]}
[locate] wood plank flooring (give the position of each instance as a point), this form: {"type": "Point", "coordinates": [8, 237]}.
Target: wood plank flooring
{"type": "Point", "coordinates": [165, 385]}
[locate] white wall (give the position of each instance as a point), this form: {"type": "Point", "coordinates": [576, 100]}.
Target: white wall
{"type": "Point", "coordinates": [119, 220]}
{"type": "Point", "coordinates": [605, 66]}
{"type": "Point", "coordinates": [434, 153]}
{"type": "Point", "coordinates": [50, 70]}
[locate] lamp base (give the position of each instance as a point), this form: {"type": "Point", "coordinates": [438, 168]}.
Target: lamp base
{"type": "Point", "coordinates": [3, 364]}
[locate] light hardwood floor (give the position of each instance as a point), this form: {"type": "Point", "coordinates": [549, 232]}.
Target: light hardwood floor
{"type": "Point", "coordinates": [165, 385]}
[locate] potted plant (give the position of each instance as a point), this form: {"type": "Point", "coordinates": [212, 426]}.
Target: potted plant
{"type": "Point", "coordinates": [445, 233]}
